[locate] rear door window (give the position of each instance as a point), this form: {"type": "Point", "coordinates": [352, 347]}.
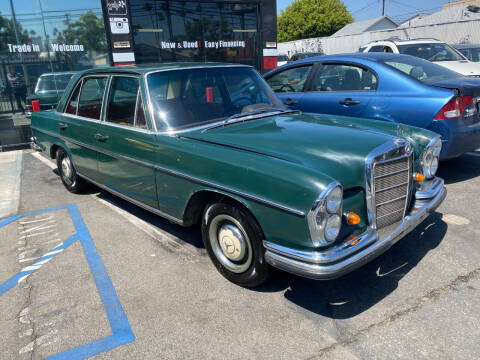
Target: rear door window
{"type": "Point", "coordinates": [290, 80]}
{"type": "Point", "coordinates": [343, 77]}
{"type": "Point", "coordinates": [91, 97]}
{"type": "Point", "coordinates": [122, 100]}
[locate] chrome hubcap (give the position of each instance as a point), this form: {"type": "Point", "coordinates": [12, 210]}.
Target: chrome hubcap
{"type": "Point", "coordinates": [67, 168]}
{"type": "Point", "coordinates": [230, 243]}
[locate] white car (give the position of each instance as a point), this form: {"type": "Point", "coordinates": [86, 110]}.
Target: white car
{"type": "Point", "coordinates": [429, 49]}
{"type": "Point", "coordinates": [282, 60]}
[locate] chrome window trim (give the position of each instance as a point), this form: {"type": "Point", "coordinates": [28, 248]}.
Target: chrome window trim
{"type": "Point", "coordinates": [391, 150]}
{"type": "Point", "coordinates": [80, 118]}
{"type": "Point", "coordinates": [180, 175]}
{"type": "Point", "coordinates": [150, 103]}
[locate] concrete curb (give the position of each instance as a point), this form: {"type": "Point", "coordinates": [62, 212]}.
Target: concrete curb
{"type": "Point", "coordinates": [10, 171]}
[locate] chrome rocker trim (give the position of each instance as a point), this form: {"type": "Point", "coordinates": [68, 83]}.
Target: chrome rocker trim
{"type": "Point", "coordinates": [342, 259]}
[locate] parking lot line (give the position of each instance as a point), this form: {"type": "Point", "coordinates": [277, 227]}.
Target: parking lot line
{"type": "Point", "coordinates": [121, 330]}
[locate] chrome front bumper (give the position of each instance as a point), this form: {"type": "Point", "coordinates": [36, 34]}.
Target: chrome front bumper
{"type": "Point", "coordinates": [344, 258]}
{"type": "Point", "coordinates": [34, 145]}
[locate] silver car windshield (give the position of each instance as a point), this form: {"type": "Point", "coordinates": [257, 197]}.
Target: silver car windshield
{"type": "Point", "coordinates": [193, 97]}
{"type": "Point", "coordinates": [431, 51]}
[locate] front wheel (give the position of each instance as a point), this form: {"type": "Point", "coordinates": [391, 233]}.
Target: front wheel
{"type": "Point", "coordinates": [67, 172]}
{"type": "Point", "coordinates": [233, 241]}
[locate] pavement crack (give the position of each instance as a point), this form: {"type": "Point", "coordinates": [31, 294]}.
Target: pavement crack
{"type": "Point", "coordinates": [430, 296]}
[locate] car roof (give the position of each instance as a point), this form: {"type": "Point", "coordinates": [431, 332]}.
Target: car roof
{"type": "Point", "coordinates": [466, 46]}
{"type": "Point", "coordinates": [411, 41]}
{"type": "Point", "coordinates": [59, 73]}
{"type": "Point", "coordinates": [147, 68]}
{"type": "Point", "coordinates": [374, 56]}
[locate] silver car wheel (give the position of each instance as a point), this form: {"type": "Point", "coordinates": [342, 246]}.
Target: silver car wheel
{"type": "Point", "coordinates": [230, 243]}
{"type": "Point", "coordinates": [67, 172]}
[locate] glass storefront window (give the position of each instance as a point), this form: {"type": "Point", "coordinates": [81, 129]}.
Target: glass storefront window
{"type": "Point", "coordinates": [195, 31]}
{"type": "Point", "coordinates": [51, 36]}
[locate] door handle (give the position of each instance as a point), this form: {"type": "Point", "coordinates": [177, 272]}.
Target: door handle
{"type": "Point", "coordinates": [62, 125]}
{"type": "Point", "coordinates": [349, 102]}
{"type": "Point", "coordinates": [101, 137]}
{"type": "Point", "coordinates": [290, 102]}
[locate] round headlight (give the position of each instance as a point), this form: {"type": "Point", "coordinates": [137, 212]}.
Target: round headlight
{"type": "Point", "coordinates": [332, 227]}
{"type": "Point", "coordinates": [431, 158]}
{"type": "Point", "coordinates": [334, 200]}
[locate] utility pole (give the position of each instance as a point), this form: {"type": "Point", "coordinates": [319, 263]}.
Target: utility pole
{"type": "Point", "coordinates": [383, 7]}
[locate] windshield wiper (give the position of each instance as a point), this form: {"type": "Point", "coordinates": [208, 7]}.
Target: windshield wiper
{"type": "Point", "coordinates": [250, 115]}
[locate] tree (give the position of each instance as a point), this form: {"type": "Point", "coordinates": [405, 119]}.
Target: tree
{"type": "Point", "coordinates": [7, 33]}
{"type": "Point", "coordinates": [304, 19]}
{"type": "Point", "coordinates": [88, 31]}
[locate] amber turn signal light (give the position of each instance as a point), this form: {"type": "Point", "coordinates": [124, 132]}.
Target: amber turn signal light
{"type": "Point", "coordinates": [352, 218]}
{"type": "Point", "coordinates": [418, 177]}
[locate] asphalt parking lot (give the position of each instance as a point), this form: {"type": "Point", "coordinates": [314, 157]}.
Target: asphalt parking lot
{"type": "Point", "coordinates": [91, 275]}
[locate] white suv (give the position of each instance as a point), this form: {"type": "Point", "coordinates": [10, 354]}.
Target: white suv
{"type": "Point", "coordinates": [428, 49]}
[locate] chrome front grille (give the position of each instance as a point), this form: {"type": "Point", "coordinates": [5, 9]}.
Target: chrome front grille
{"type": "Point", "coordinates": [391, 183]}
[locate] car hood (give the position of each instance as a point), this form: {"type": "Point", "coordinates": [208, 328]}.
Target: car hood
{"type": "Point", "coordinates": [463, 67]}
{"type": "Point", "coordinates": [327, 144]}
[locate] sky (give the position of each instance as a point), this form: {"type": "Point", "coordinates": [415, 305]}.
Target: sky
{"type": "Point", "coordinates": [397, 10]}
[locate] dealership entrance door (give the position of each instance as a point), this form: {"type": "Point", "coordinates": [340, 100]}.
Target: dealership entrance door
{"type": "Point", "coordinates": [166, 31]}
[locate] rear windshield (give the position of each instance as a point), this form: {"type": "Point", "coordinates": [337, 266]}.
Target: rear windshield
{"type": "Point", "coordinates": [53, 82]}
{"type": "Point", "coordinates": [185, 98]}
{"type": "Point", "coordinates": [430, 51]}
{"type": "Point", "coordinates": [420, 69]}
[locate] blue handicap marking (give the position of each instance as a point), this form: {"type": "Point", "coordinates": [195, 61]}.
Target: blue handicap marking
{"type": "Point", "coordinates": [121, 330]}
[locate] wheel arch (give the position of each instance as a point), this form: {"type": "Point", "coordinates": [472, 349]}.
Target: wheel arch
{"type": "Point", "coordinates": [203, 197]}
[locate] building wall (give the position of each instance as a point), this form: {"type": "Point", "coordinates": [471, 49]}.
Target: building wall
{"type": "Point", "coordinates": [50, 37]}
{"type": "Point", "coordinates": [461, 2]}
{"type": "Point", "coordinates": [453, 32]}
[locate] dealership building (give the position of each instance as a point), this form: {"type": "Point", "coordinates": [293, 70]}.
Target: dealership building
{"type": "Point", "coordinates": [44, 36]}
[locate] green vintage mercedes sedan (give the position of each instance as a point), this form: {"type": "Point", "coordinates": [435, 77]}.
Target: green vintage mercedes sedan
{"type": "Point", "coordinates": [211, 144]}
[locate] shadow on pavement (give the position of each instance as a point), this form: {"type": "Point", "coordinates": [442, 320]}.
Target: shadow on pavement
{"type": "Point", "coordinates": [341, 298]}
{"type": "Point", "coordinates": [460, 169]}
{"type": "Point", "coordinates": [356, 292]}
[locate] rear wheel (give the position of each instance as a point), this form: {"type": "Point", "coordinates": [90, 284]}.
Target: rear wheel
{"type": "Point", "coordinates": [233, 241]}
{"type": "Point", "coordinates": [67, 172]}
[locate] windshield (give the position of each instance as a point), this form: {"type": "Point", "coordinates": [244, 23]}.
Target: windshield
{"type": "Point", "coordinates": [420, 69]}
{"type": "Point", "coordinates": [53, 82]}
{"type": "Point", "coordinates": [185, 98]}
{"type": "Point", "coordinates": [282, 58]}
{"type": "Point", "coordinates": [472, 54]}
{"type": "Point", "coordinates": [431, 51]}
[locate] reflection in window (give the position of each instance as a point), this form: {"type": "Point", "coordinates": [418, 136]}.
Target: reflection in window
{"type": "Point", "coordinates": [91, 96]}
{"type": "Point", "coordinates": [338, 77]}
{"type": "Point", "coordinates": [122, 100]}
{"type": "Point", "coordinates": [178, 31]}
{"type": "Point", "coordinates": [290, 80]}
{"type": "Point", "coordinates": [186, 98]}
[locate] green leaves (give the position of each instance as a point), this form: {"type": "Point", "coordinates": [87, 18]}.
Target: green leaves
{"type": "Point", "coordinates": [305, 19]}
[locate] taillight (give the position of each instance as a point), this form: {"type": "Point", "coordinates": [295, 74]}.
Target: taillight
{"type": "Point", "coordinates": [35, 105]}
{"type": "Point", "coordinates": [454, 108]}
